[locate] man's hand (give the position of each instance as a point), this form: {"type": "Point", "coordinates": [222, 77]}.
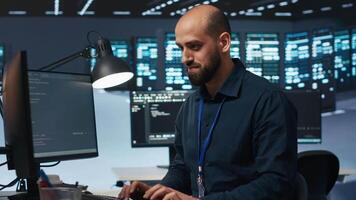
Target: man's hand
{"type": "Point", "coordinates": [178, 196]}
{"type": "Point", "coordinates": [162, 192]}
{"type": "Point", "coordinates": [129, 190]}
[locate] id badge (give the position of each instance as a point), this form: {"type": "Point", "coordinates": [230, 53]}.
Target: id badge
{"type": "Point", "coordinates": [201, 189]}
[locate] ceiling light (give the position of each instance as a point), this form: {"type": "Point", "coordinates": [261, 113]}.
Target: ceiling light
{"type": "Point", "coordinates": [190, 7]}
{"type": "Point", "coordinates": [260, 8]}
{"type": "Point", "coordinates": [184, 10]}
{"type": "Point", "coordinates": [347, 5]}
{"type": "Point", "coordinates": [294, 1]}
{"type": "Point", "coordinates": [325, 8]}
{"type": "Point", "coordinates": [253, 14]}
{"type": "Point", "coordinates": [283, 14]}
{"type": "Point", "coordinates": [213, 1]}
{"type": "Point", "coordinates": [163, 5]}
{"type": "Point", "coordinates": [283, 3]}
{"type": "Point", "coordinates": [206, 2]}
{"type": "Point", "coordinates": [152, 10]}
{"type": "Point", "coordinates": [169, 2]}
{"type": "Point", "coordinates": [305, 12]}
{"type": "Point", "coordinates": [51, 12]}
{"type": "Point", "coordinates": [17, 12]}
{"type": "Point", "coordinates": [250, 10]}
{"type": "Point", "coordinates": [158, 7]}
{"type": "Point", "coordinates": [86, 13]}
{"type": "Point", "coordinates": [233, 14]}
{"type": "Point", "coordinates": [175, 0]}
{"type": "Point", "coordinates": [121, 13]}
{"type": "Point", "coordinates": [270, 6]}
{"type": "Point", "coordinates": [154, 13]}
{"type": "Point", "coordinates": [172, 14]}
{"type": "Point", "coordinates": [241, 12]}
{"type": "Point", "coordinates": [86, 6]}
{"type": "Point", "coordinates": [56, 7]}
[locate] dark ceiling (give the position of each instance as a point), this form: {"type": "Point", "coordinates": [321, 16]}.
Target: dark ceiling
{"type": "Point", "coordinates": [266, 9]}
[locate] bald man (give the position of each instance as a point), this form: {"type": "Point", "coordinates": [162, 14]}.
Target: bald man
{"type": "Point", "coordinates": [235, 135]}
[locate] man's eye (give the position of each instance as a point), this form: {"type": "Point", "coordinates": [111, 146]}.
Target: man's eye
{"type": "Point", "coordinates": [195, 47]}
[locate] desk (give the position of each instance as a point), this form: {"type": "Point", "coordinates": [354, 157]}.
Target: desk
{"type": "Point", "coordinates": [154, 173]}
{"type": "Point", "coordinates": [139, 173]}
{"type": "Point", "coordinates": [343, 172]}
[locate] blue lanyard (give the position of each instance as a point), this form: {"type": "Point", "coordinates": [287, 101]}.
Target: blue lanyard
{"type": "Point", "coordinates": [207, 140]}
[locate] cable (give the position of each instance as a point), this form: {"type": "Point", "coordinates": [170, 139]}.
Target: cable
{"type": "Point", "coordinates": [12, 183]}
{"type": "Point", "coordinates": [51, 165]}
{"type": "Point", "coordinates": [4, 163]}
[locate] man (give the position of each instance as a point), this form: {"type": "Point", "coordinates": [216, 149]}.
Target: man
{"type": "Point", "coordinates": [236, 135]}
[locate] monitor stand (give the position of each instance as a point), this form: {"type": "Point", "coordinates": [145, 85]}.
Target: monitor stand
{"type": "Point", "coordinates": [172, 154]}
{"type": "Point", "coordinates": [31, 193]}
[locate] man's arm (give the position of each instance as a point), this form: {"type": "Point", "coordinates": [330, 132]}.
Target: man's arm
{"type": "Point", "coordinates": [275, 152]}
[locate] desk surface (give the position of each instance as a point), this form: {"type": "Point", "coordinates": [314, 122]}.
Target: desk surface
{"type": "Point", "coordinates": [154, 173]}
{"type": "Point", "coordinates": [347, 171]}
{"type": "Point", "coordinates": [139, 173]}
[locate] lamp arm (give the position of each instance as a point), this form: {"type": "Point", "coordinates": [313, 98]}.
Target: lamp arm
{"type": "Point", "coordinates": [83, 53]}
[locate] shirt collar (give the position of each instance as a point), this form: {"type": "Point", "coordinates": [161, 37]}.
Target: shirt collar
{"type": "Point", "coordinates": [232, 84]}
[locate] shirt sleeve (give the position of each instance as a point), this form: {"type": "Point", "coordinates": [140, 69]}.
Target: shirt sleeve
{"type": "Point", "coordinates": [275, 152]}
{"type": "Point", "coordinates": [178, 176]}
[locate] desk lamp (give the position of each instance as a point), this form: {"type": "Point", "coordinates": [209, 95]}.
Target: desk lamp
{"type": "Point", "coordinates": [109, 71]}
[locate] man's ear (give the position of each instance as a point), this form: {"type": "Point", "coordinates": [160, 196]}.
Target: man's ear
{"type": "Point", "coordinates": [225, 42]}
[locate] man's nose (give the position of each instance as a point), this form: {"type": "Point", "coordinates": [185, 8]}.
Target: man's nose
{"type": "Point", "coordinates": [186, 58]}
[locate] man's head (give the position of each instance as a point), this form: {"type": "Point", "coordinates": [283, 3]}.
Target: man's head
{"type": "Point", "coordinates": [203, 34]}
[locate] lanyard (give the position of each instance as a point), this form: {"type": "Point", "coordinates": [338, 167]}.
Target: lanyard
{"type": "Point", "coordinates": [202, 152]}
{"type": "Point", "coordinates": [207, 140]}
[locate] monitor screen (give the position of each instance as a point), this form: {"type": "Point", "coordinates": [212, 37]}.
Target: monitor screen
{"type": "Point", "coordinates": [353, 66]}
{"type": "Point", "coordinates": [2, 57]}
{"type": "Point", "coordinates": [146, 59]}
{"type": "Point", "coordinates": [153, 116]}
{"type": "Point", "coordinates": [62, 114]}
{"type": "Point", "coordinates": [262, 55]}
{"type": "Point", "coordinates": [323, 67]}
{"type": "Point", "coordinates": [297, 70]}
{"type": "Point", "coordinates": [175, 73]}
{"type": "Point", "coordinates": [308, 106]}
{"type": "Point", "coordinates": [235, 45]}
{"type": "Point", "coordinates": [342, 63]}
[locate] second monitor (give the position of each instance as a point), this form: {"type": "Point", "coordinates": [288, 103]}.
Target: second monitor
{"type": "Point", "coordinates": [153, 115]}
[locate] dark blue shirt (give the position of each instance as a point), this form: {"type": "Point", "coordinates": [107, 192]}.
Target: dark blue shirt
{"type": "Point", "coordinates": [253, 151]}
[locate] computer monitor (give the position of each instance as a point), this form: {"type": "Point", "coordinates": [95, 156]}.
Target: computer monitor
{"type": "Point", "coordinates": [48, 116]}
{"type": "Point", "coordinates": [17, 122]}
{"type": "Point", "coordinates": [153, 115]}
{"type": "Point", "coordinates": [62, 114]}
{"type": "Point", "coordinates": [2, 57]}
{"type": "Point", "coordinates": [146, 63]}
{"type": "Point", "coordinates": [308, 105]}
{"type": "Point", "coordinates": [262, 55]}
{"type": "Point", "coordinates": [322, 66]}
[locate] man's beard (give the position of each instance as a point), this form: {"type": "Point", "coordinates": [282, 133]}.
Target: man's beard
{"type": "Point", "coordinates": [206, 73]}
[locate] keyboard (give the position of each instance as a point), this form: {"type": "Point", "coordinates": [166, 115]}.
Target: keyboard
{"type": "Point", "coordinates": [97, 197]}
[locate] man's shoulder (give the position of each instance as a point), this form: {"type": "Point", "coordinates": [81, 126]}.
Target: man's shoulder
{"type": "Point", "coordinates": [258, 85]}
